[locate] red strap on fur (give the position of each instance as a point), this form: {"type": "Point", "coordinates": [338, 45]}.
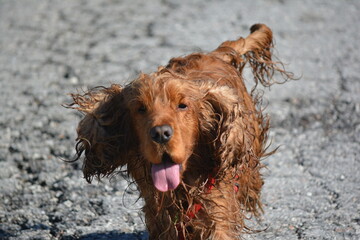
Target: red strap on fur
{"type": "Point", "coordinates": [236, 185]}
{"type": "Point", "coordinates": [210, 183]}
{"type": "Point", "coordinates": [191, 214]}
{"type": "Point", "coordinates": [196, 208]}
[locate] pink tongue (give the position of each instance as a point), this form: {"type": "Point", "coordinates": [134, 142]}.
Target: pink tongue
{"type": "Point", "coordinates": [166, 175]}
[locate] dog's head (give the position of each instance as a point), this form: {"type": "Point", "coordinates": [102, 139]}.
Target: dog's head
{"type": "Point", "coordinates": [158, 118]}
{"type": "Point", "coordinates": [164, 115]}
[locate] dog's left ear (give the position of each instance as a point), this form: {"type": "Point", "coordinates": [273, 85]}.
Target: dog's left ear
{"type": "Point", "coordinates": [226, 124]}
{"type": "Point", "coordinates": [104, 134]}
{"type": "Point", "coordinates": [230, 129]}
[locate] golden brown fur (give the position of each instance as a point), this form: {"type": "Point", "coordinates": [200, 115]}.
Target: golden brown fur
{"type": "Point", "coordinates": [219, 135]}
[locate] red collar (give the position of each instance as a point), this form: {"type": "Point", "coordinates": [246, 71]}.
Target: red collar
{"type": "Point", "coordinates": [191, 213]}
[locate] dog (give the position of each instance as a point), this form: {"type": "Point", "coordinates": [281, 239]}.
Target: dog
{"type": "Point", "coordinates": [191, 136]}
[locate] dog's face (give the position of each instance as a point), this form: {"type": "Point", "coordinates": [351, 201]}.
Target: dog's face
{"type": "Point", "coordinates": [165, 120]}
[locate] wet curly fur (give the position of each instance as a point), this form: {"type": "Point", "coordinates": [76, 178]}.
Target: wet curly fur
{"type": "Point", "coordinates": [219, 136]}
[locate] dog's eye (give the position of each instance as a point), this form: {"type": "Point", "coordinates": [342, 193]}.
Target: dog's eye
{"type": "Point", "coordinates": [142, 109]}
{"type": "Point", "coordinates": [182, 106]}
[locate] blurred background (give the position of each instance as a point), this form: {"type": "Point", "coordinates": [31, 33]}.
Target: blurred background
{"type": "Point", "coordinates": [51, 48]}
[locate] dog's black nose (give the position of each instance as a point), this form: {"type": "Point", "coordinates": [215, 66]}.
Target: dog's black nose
{"type": "Point", "coordinates": [161, 134]}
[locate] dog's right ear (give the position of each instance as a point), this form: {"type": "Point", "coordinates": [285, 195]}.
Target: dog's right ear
{"type": "Point", "coordinates": [104, 133]}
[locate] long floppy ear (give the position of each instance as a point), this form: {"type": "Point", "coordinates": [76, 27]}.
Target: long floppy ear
{"type": "Point", "coordinates": [255, 50]}
{"type": "Point", "coordinates": [232, 126]}
{"type": "Point", "coordinates": [238, 141]}
{"type": "Point", "coordinates": [104, 133]}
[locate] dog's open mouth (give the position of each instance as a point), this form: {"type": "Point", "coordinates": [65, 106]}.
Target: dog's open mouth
{"type": "Point", "coordinates": [166, 175]}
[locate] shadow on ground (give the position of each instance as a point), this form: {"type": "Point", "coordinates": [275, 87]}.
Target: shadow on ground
{"type": "Point", "coordinates": [112, 235]}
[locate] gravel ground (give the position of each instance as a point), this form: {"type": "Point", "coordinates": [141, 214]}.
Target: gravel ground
{"type": "Point", "coordinates": [51, 48]}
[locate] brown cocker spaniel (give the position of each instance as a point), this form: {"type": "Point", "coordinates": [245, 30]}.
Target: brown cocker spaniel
{"type": "Point", "coordinates": [191, 137]}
